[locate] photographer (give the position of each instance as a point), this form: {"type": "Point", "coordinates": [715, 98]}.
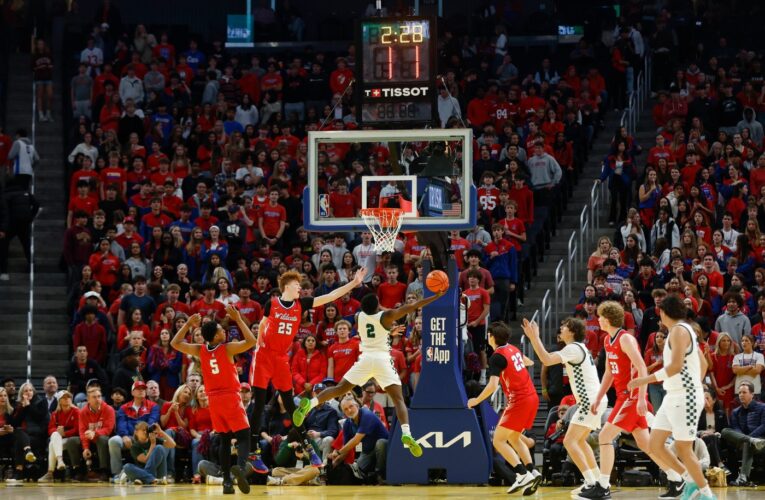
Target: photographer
{"type": "Point", "coordinates": [294, 465]}
{"type": "Point", "coordinates": [555, 435]}
{"type": "Point", "coordinates": [150, 449]}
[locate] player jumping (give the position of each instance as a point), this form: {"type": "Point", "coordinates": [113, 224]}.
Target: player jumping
{"type": "Point", "coordinates": [584, 380]}
{"type": "Point", "coordinates": [375, 362]}
{"type": "Point", "coordinates": [229, 418]}
{"type": "Point", "coordinates": [629, 413]}
{"type": "Point", "coordinates": [276, 333]}
{"type": "Point", "coordinates": [680, 411]}
{"type": "Point", "coordinates": [508, 366]}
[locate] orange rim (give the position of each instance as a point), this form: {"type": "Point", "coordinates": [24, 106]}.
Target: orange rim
{"type": "Point", "coordinates": [386, 217]}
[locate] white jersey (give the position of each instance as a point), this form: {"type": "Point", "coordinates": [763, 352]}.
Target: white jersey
{"type": "Point", "coordinates": [689, 378]}
{"type": "Point", "coordinates": [582, 373]}
{"type": "Point", "coordinates": [373, 335]}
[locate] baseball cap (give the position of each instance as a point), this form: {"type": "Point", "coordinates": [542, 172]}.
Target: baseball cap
{"type": "Point", "coordinates": [138, 384]}
{"type": "Point", "coordinates": [244, 386]}
{"type": "Point", "coordinates": [92, 294]}
{"type": "Point", "coordinates": [319, 387]}
{"type": "Point", "coordinates": [329, 381]}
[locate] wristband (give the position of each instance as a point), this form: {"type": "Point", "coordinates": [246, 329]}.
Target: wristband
{"type": "Point", "coordinates": [660, 375]}
{"type": "Point", "coordinates": [544, 391]}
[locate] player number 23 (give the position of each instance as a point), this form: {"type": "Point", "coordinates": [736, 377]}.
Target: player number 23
{"type": "Point", "coordinates": [285, 329]}
{"type": "Point", "coordinates": [214, 366]}
{"type": "Point", "coordinates": [517, 361]}
{"type": "Point", "coordinates": [614, 367]}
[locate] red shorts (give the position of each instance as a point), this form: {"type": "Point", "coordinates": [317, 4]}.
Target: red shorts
{"type": "Point", "coordinates": [519, 415]}
{"type": "Point", "coordinates": [272, 367]}
{"type": "Point", "coordinates": [625, 415]}
{"type": "Point", "coordinates": [227, 413]}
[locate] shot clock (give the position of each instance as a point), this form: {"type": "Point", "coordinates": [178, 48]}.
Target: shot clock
{"type": "Point", "coordinates": [396, 71]}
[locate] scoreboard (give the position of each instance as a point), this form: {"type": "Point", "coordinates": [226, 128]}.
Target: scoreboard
{"type": "Point", "coordinates": [397, 71]}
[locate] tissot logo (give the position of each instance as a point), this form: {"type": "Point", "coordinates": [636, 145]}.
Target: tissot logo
{"type": "Point", "coordinates": [396, 92]}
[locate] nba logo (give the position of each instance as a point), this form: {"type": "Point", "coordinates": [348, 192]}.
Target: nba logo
{"type": "Point", "coordinates": [323, 205]}
{"type": "Point", "coordinates": [429, 354]}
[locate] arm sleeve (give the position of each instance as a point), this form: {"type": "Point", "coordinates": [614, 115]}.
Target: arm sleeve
{"type": "Point", "coordinates": [497, 364]}
{"type": "Point", "coordinates": [306, 303]}
{"type": "Point", "coordinates": [267, 309]}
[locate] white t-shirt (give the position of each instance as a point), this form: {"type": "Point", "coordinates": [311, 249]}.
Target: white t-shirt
{"type": "Point", "coordinates": [752, 359]}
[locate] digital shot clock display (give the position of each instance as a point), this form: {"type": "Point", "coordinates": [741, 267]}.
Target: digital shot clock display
{"type": "Point", "coordinates": [396, 70]}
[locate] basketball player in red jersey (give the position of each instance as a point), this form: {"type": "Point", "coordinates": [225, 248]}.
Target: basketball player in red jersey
{"type": "Point", "coordinates": [623, 363]}
{"type": "Point", "coordinates": [281, 318]}
{"type": "Point", "coordinates": [508, 366]}
{"type": "Point", "coordinates": [228, 416]}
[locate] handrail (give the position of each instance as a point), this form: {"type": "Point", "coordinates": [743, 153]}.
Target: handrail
{"type": "Point", "coordinates": [560, 290]}
{"type": "Point", "coordinates": [595, 207]}
{"type": "Point", "coordinates": [30, 313]}
{"type": "Point", "coordinates": [585, 231]}
{"type": "Point", "coordinates": [545, 324]}
{"type": "Point", "coordinates": [573, 257]}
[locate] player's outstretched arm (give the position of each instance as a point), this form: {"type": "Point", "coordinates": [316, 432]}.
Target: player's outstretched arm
{"type": "Point", "coordinates": [487, 392]}
{"type": "Point", "coordinates": [357, 280]}
{"type": "Point", "coordinates": [249, 340]}
{"type": "Point", "coordinates": [531, 330]}
{"type": "Point", "coordinates": [179, 341]}
{"type": "Point", "coordinates": [674, 364]}
{"type": "Point", "coordinates": [392, 315]}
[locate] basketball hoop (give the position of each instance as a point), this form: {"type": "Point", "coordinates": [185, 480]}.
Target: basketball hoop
{"type": "Point", "coordinates": [384, 224]}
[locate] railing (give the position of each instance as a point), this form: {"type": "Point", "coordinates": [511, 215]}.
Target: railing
{"type": "Point", "coordinates": [595, 195]}
{"type": "Point", "coordinates": [560, 291]}
{"type": "Point", "coordinates": [573, 260]}
{"type": "Point", "coordinates": [30, 313]}
{"type": "Point", "coordinates": [639, 97]}
{"type": "Point", "coordinates": [585, 233]}
{"type": "Point", "coordinates": [546, 324]}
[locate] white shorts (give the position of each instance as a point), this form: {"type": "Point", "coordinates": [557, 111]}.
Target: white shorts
{"type": "Point", "coordinates": [377, 365]}
{"type": "Point", "coordinates": [584, 417]}
{"type": "Point", "coordinates": [679, 413]}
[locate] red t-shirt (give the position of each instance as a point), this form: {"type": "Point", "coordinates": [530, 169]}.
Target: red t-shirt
{"type": "Point", "coordinates": [272, 218]}
{"type": "Point", "coordinates": [343, 205]}
{"type": "Point", "coordinates": [514, 225]}
{"type": "Point", "coordinates": [172, 422]}
{"type": "Point", "coordinates": [391, 294]}
{"type": "Point", "coordinates": [88, 204]}
{"type": "Point", "coordinates": [203, 308]}
{"type": "Point", "coordinates": [343, 356]}
{"type": "Point", "coordinates": [479, 298]}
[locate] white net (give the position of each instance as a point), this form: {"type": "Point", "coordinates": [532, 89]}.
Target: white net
{"type": "Point", "coordinates": [384, 224]}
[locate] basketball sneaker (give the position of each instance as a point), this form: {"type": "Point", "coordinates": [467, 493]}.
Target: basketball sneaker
{"type": "Point", "coordinates": [413, 446]}
{"type": "Point", "coordinates": [595, 492]}
{"type": "Point", "coordinates": [532, 488]}
{"type": "Point", "coordinates": [689, 491]}
{"type": "Point", "coordinates": [274, 481]}
{"type": "Point", "coordinates": [298, 416]}
{"type": "Point", "coordinates": [228, 488]}
{"type": "Point", "coordinates": [257, 464]}
{"type": "Point", "coordinates": [575, 492]}
{"type": "Point", "coordinates": [674, 489]}
{"type": "Point", "coordinates": [521, 482]}
{"type": "Point", "coordinates": [241, 479]}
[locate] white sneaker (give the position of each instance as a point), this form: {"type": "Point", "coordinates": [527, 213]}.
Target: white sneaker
{"type": "Point", "coordinates": [521, 482]}
{"type": "Point", "coordinates": [137, 482]}
{"type": "Point", "coordinates": [121, 479]}
{"type": "Point", "coordinates": [5, 277]}
{"type": "Point", "coordinates": [164, 480]}
{"type": "Point", "coordinates": [213, 480]}
{"type": "Point", "coordinates": [532, 488]}
{"type": "Point", "coordinates": [169, 480]}
{"type": "Point", "coordinates": [273, 481]}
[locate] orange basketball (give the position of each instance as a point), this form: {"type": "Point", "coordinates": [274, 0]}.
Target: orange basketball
{"type": "Point", "coordinates": [437, 281]}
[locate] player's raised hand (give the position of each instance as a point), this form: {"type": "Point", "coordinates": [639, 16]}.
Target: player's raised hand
{"type": "Point", "coordinates": [233, 313]}
{"type": "Point", "coordinates": [195, 320]}
{"type": "Point", "coordinates": [530, 328]}
{"type": "Point", "coordinates": [358, 278]}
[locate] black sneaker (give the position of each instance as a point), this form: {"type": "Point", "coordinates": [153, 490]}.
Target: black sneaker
{"type": "Point", "coordinates": [596, 492]}
{"type": "Point", "coordinates": [674, 489]}
{"type": "Point", "coordinates": [241, 479]}
{"type": "Point", "coordinates": [228, 488]}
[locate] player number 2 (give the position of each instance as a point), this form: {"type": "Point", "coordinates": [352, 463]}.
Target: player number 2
{"type": "Point", "coordinates": [517, 361]}
{"type": "Point", "coordinates": [370, 331]}
{"type": "Point", "coordinates": [214, 366]}
{"type": "Point", "coordinates": [285, 329]}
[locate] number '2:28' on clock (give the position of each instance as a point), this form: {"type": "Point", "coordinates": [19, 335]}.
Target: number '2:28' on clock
{"type": "Point", "coordinates": [396, 51]}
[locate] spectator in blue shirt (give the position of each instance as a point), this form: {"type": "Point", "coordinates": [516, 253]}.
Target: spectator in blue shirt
{"type": "Point", "coordinates": [363, 427]}
{"type": "Point", "coordinates": [746, 432]}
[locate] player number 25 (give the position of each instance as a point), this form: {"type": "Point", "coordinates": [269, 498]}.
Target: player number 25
{"type": "Point", "coordinates": [518, 361]}
{"type": "Point", "coordinates": [285, 329]}
{"type": "Point", "coordinates": [214, 366]}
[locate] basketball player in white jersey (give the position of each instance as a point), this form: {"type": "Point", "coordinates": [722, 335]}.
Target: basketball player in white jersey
{"type": "Point", "coordinates": [584, 381]}
{"type": "Point", "coordinates": [679, 413]}
{"type": "Point", "coordinates": [374, 362]}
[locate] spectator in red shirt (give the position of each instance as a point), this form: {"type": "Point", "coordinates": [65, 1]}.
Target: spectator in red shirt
{"type": "Point", "coordinates": [592, 326]}
{"type": "Point", "coordinates": [92, 335]}
{"type": "Point", "coordinates": [480, 302]}
{"type": "Point", "coordinates": [309, 366]}
{"type": "Point", "coordinates": [342, 203]}
{"type": "Point", "coordinates": [84, 202]}
{"type": "Point", "coordinates": [392, 292]}
{"type": "Point", "coordinates": [343, 353]}
{"type": "Point", "coordinates": [208, 305]}
{"type": "Point", "coordinates": [515, 230]}
{"type": "Point", "coordinates": [153, 219]}
{"type": "Point", "coordinates": [524, 199]}
{"type": "Point", "coordinates": [340, 78]}
{"type": "Point", "coordinates": [273, 218]}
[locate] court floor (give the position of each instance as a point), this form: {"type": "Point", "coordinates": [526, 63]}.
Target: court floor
{"type": "Point", "coordinates": [101, 491]}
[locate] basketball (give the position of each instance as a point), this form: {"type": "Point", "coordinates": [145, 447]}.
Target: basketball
{"type": "Point", "coordinates": [437, 281]}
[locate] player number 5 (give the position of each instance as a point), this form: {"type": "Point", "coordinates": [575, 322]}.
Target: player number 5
{"type": "Point", "coordinates": [214, 366]}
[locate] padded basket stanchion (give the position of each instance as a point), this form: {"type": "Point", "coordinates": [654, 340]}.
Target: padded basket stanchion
{"type": "Point", "coordinates": [384, 224]}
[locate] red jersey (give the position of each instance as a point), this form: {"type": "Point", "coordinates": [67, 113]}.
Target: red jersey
{"type": "Point", "coordinates": [618, 361]}
{"type": "Point", "coordinates": [343, 356]}
{"type": "Point", "coordinates": [283, 324]}
{"type": "Point", "coordinates": [218, 371]}
{"type": "Point", "coordinates": [515, 379]}
{"type": "Point", "coordinates": [488, 197]}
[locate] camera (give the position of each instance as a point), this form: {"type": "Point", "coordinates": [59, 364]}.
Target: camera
{"type": "Point", "coordinates": [155, 428]}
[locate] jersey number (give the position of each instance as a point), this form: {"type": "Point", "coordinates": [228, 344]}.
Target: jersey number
{"type": "Point", "coordinates": [518, 361]}
{"type": "Point", "coordinates": [214, 366]}
{"type": "Point", "coordinates": [488, 202]}
{"type": "Point", "coordinates": [370, 331]}
{"type": "Point", "coordinates": [285, 329]}
{"type": "Point", "coordinates": [614, 367]}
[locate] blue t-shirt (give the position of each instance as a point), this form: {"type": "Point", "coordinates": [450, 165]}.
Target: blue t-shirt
{"type": "Point", "coordinates": [369, 425]}
{"type": "Point", "coordinates": [146, 304]}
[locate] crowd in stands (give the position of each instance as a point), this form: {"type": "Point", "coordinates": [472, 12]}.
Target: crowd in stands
{"type": "Point", "coordinates": [187, 166]}
{"type": "Point", "coordinates": [687, 213]}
